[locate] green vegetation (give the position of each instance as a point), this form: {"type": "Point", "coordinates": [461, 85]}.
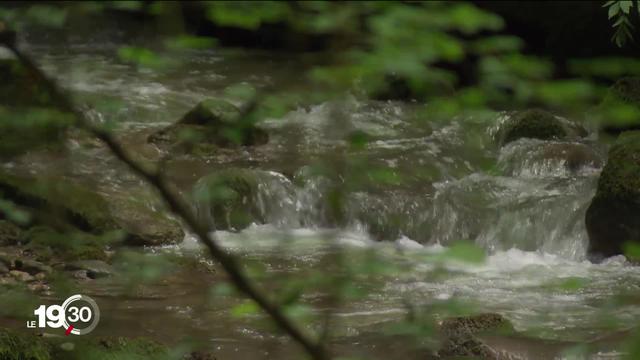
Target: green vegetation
{"type": "Point", "coordinates": [17, 346]}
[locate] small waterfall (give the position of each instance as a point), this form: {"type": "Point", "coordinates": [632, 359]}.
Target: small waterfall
{"type": "Point", "coordinates": [456, 184]}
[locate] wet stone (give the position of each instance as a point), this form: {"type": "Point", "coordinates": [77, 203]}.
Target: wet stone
{"type": "Point", "coordinates": [32, 267]}
{"type": "Point", "coordinates": [94, 269]}
{"type": "Point", "coordinates": [21, 275]}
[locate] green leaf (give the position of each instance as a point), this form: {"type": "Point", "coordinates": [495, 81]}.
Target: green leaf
{"type": "Point", "coordinates": [625, 6]}
{"type": "Point", "coordinates": [614, 9]}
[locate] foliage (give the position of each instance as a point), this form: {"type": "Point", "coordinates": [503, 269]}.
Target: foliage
{"type": "Point", "coordinates": [619, 12]}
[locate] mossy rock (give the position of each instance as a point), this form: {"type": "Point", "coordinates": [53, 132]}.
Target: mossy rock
{"type": "Point", "coordinates": [143, 225]}
{"type": "Point", "coordinates": [460, 335]}
{"type": "Point", "coordinates": [19, 346]}
{"type": "Point", "coordinates": [66, 207]}
{"type": "Point", "coordinates": [28, 116]}
{"type": "Point", "coordinates": [227, 199]}
{"type": "Point", "coordinates": [211, 122]}
{"type": "Point", "coordinates": [612, 217]}
{"type": "Point", "coordinates": [58, 203]}
{"type": "Point", "coordinates": [538, 124]}
{"type": "Point", "coordinates": [9, 233]}
{"type": "Point", "coordinates": [47, 243]}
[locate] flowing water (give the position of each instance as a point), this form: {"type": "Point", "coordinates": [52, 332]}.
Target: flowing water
{"type": "Point", "coordinates": [524, 204]}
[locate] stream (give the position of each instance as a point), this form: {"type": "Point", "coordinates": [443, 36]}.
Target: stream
{"type": "Point", "coordinates": [523, 204]}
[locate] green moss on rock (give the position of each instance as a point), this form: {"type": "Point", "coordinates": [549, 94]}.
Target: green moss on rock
{"type": "Point", "coordinates": [65, 206]}
{"type": "Point", "coordinates": [58, 202]}
{"type": "Point", "coordinates": [612, 217]}
{"type": "Point", "coordinates": [47, 243]}
{"type": "Point", "coordinates": [18, 346]}
{"type": "Point", "coordinates": [533, 124]}
{"type": "Point", "coordinates": [460, 335]}
{"type": "Point", "coordinates": [228, 198]}
{"type": "Point", "coordinates": [211, 122]}
{"type": "Point", "coordinates": [9, 233]}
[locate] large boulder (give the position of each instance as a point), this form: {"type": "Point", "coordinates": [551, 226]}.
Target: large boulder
{"type": "Point", "coordinates": [213, 122]}
{"type": "Point", "coordinates": [29, 118]}
{"type": "Point", "coordinates": [227, 199]}
{"type": "Point", "coordinates": [612, 217]}
{"type": "Point", "coordinates": [68, 207]}
{"type": "Point", "coordinates": [234, 198]}
{"type": "Point", "coordinates": [538, 124]}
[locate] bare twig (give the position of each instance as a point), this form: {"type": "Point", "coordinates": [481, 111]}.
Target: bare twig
{"type": "Point", "coordinates": [179, 207]}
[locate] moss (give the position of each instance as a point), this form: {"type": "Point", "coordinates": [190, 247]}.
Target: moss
{"type": "Point", "coordinates": [17, 346]}
{"type": "Point", "coordinates": [211, 112]}
{"type": "Point", "coordinates": [144, 226]}
{"type": "Point", "coordinates": [620, 177]}
{"type": "Point", "coordinates": [212, 121]}
{"type": "Point", "coordinates": [534, 124]}
{"type": "Point", "coordinates": [66, 206]}
{"type": "Point", "coordinates": [460, 335]}
{"type": "Point", "coordinates": [612, 216]}
{"type": "Point", "coordinates": [58, 202]}
{"type": "Point", "coordinates": [229, 197]}
{"type": "Point", "coordinates": [47, 243]}
{"type": "Point", "coordinates": [9, 233]}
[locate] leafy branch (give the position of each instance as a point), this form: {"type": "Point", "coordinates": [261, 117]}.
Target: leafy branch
{"type": "Point", "coordinates": [176, 204]}
{"type": "Point", "coordinates": [619, 12]}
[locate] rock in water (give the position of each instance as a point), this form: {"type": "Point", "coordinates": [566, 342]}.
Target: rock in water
{"type": "Point", "coordinates": [64, 205]}
{"type": "Point", "coordinates": [460, 336]}
{"type": "Point", "coordinates": [227, 199]}
{"type": "Point", "coordinates": [212, 122]}
{"type": "Point", "coordinates": [234, 198]}
{"type": "Point", "coordinates": [538, 124]}
{"type": "Point", "coordinates": [612, 217]}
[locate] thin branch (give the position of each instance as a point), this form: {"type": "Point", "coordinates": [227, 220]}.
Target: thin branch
{"type": "Point", "coordinates": [178, 206]}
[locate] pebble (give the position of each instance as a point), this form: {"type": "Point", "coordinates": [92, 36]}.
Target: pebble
{"type": "Point", "coordinates": [40, 276]}
{"type": "Point", "coordinates": [94, 268]}
{"type": "Point", "coordinates": [21, 275]}
{"type": "Point", "coordinates": [39, 287]}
